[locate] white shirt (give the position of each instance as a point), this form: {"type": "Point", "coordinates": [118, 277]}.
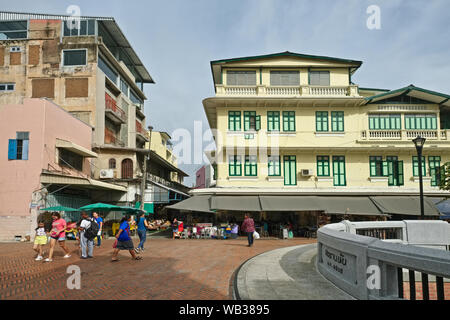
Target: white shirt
{"type": "Point", "coordinates": [40, 232]}
{"type": "Point", "coordinates": [85, 224]}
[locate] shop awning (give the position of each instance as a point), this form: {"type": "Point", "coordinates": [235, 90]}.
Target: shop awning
{"type": "Point", "coordinates": [409, 206]}
{"type": "Point", "coordinates": [75, 148]}
{"type": "Point", "coordinates": [236, 203]}
{"type": "Point", "coordinates": [169, 189]}
{"type": "Point", "coordinates": [196, 203]}
{"type": "Point", "coordinates": [54, 178]}
{"type": "Point", "coordinates": [361, 206]}
{"type": "Point", "coordinates": [290, 203]}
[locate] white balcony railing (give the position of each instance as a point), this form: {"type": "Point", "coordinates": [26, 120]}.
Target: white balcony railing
{"type": "Point", "coordinates": [403, 134]}
{"type": "Point", "coordinates": [240, 91]}
{"type": "Point", "coordinates": [288, 91]}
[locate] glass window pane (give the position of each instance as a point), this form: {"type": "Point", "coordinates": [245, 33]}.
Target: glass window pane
{"type": "Point", "coordinates": [74, 57]}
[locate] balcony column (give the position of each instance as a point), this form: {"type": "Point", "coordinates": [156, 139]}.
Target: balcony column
{"type": "Point", "coordinates": [260, 90]}
{"type": "Point", "coordinates": [304, 91]}
{"type": "Point", "coordinates": [220, 89]}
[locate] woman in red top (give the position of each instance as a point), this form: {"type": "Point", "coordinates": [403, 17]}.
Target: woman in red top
{"type": "Point", "coordinates": [248, 226]}
{"type": "Point", "coordinates": [58, 234]}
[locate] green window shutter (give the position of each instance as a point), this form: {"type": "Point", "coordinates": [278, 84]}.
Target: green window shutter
{"type": "Point", "coordinates": [401, 176]}
{"type": "Point", "coordinates": [288, 121]}
{"type": "Point", "coordinates": [435, 165]}
{"type": "Point", "coordinates": [373, 168]}
{"type": "Point", "coordinates": [337, 121]}
{"type": "Point", "coordinates": [323, 166]}
{"type": "Point", "coordinates": [322, 121]}
{"type": "Point", "coordinates": [385, 169]}
{"type": "Point", "coordinates": [290, 171]}
{"type": "Point", "coordinates": [274, 166]}
{"type": "Point", "coordinates": [415, 162]}
{"type": "Point", "coordinates": [339, 171]}
{"type": "Point", "coordinates": [258, 123]}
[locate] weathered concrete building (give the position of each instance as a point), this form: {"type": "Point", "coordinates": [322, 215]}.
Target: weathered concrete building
{"type": "Point", "coordinates": [87, 66]}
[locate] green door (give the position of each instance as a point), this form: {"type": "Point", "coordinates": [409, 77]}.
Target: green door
{"type": "Point", "coordinates": [395, 172]}
{"type": "Point", "coordinates": [290, 170]}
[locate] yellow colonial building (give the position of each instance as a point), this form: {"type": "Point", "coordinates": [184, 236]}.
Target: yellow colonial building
{"type": "Point", "coordinates": [294, 133]}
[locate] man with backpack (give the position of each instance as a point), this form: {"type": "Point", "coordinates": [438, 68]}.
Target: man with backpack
{"type": "Point", "coordinates": [88, 231]}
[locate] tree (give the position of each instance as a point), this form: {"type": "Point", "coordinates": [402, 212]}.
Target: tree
{"type": "Point", "coordinates": [445, 177]}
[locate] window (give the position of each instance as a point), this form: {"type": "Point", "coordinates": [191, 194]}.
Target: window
{"type": "Point", "coordinates": [339, 179]}
{"type": "Point", "coordinates": [273, 121]}
{"type": "Point", "coordinates": [124, 87]}
{"type": "Point", "coordinates": [13, 30]}
{"type": "Point", "coordinates": [274, 166]}
{"type": "Point", "coordinates": [214, 167]}
{"type": "Point", "coordinates": [435, 170]}
{"type": "Point", "coordinates": [290, 170]}
{"type": "Point", "coordinates": [289, 121]}
{"type": "Point", "coordinates": [250, 166]}
{"type": "Point", "coordinates": [107, 70]}
{"type": "Point", "coordinates": [7, 87]}
{"type": "Point", "coordinates": [284, 78]}
{"type": "Point", "coordinates": [323, 166]}
{"type": "Point", "coordinates": [421, 122]}
{"type": "Point", "coordinates": [135, 99]}
{"type": "Point", "coordinates": [378, 167]}
{"type": "Point", "coordinates": [252, 122]}
{"type": "Point", "coordinates": [18, 148]}
{"type": "Point", "coordinates": [395, 171]}
{"type": "Point", "coordinates": [385, 122]}
{"type": "Point", "coordinates": [241, 78]}
{"type": "Point", "coordinates": [235, 166]}
{"type": "Point", "coordinates": [234, 121]}
{"type": "Point", "coordinates": [127, 169]}
{"type": "Point", "coordinates": [74, 57]}
{"type": "Point", "coordinates": [337, 121]}
{"type": "Point", "coordinates": [112, 163]}
{"type": "Point", "coordinates": [70, 160]}
{"type": "Point", "coordinates": [319, 78]}
{"type": "Point", "coordinates": [322, 121]}
{"type": "Point", "coordinates": [74, 28]}
{"type": "Point", "coordinates": [415, 163]}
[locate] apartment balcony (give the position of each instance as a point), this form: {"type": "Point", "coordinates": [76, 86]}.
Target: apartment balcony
{"type": "Point", "coordinates": [111, 138]}
{"type": "Point", "coordinates": [113, 112]}
{"type": "Point", "coordinates": [141, 133]}
{"type": "Point", "coordinates": [287, 91]}
{"type": "Point", "coordinates": [404, 135]}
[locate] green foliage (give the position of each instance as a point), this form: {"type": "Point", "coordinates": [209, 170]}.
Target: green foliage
{"type": "Point", "coordinates": [445, 177]}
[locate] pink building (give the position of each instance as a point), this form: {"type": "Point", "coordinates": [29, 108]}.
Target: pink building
{"type": "Point", "coordinates": [44, 161]}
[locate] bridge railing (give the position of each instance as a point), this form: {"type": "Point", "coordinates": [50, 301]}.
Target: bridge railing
{"type": "Point", "coordinates": [370, 268]}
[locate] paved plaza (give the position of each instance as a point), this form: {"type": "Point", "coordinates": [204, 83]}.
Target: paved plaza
{"type": "Point", "coordinates": [171, 269]}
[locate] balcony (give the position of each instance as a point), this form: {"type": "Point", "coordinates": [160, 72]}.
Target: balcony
{"type": "Point", "coordinates": [403, 135]}
{"type": "Point", "coordinates": [111, 138]}
{"type": "Point", "coordinates": [141, 133]}
{"type": "Point", "coordinates": [113, 112]}
{"type": "Point", "coordinates": [287, 91]}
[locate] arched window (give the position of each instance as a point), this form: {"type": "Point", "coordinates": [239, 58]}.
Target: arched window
{"type": "Point", "coordinates": [127, 169]}
{"type": "Point", "coordinates": [112, 163]}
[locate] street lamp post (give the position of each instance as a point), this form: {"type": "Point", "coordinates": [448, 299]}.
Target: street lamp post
{"type": "Point", "coordinates": [145, 169]}
{"type": "Point", "coordinates": [419, 143]}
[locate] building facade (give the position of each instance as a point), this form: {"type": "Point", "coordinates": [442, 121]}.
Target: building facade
{"type": "Point", "coordinates": [88, 67]}
{"type": "Point", "coordinates": [45, 160]}
{"type": "Point", "coordinates": [296, 125]}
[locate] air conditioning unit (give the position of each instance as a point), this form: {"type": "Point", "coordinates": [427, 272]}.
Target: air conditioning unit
{"type": "Point", "coordinates": [307, 172]}
{"type": "Point", "coordinates": [106, 174]}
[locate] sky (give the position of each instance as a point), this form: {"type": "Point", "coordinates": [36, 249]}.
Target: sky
{"type": "Point", "coordinates": [177, 39]}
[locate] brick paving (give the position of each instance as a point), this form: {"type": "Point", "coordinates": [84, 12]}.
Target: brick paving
{"type": "Point", "coordinates": [171, 270]}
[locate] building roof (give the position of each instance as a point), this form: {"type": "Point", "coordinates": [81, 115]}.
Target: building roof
{"type": "Point", "coordinates": [108, 22]}
{"type": "Point", "coordinates": [290, 54]}
{"type": "Point", "coordinates": [157, 158]}
{"type": "Point", "coordinates": [414, 92]}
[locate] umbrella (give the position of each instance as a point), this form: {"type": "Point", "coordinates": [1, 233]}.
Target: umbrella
{"type": "Point", "coordinates": [444, 207]}
{"type": "Point", "coordinates": [133, 210]}
{"type": "Point", "coordinates": [59, 208]}
{"type": "Point", "coordinates": [100, 207]}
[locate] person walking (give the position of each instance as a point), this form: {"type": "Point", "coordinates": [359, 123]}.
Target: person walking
{"type": "Point", "coordinates": [174, 228]}
{"type": "Point", "coordinates": [142, 226]}
{"type": "Point", "coordinates": [248, 226]}
{"type": "Point", "coordinates": [87, 243]}
{"type": "Point", "coordinates": [234, 231]}
{"type": "Point", "coordinates": [99, 221]}
{"type": "Point", "coordinates": [40, 241]}
{"type": "Point", "coordinates": [58, 234]}
{"type": "Point", "coordinates": [124, 241]}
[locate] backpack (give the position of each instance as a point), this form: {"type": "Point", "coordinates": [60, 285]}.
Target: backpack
{"type": "Point", "coordinates": [91, 232]}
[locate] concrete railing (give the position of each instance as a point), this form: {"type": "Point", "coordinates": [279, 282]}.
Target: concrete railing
{"type": "Point", "coordinates": [372, 268]}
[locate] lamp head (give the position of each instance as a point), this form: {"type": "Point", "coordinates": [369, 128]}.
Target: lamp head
{"type": "Point", "coordinates": [419, 142]}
